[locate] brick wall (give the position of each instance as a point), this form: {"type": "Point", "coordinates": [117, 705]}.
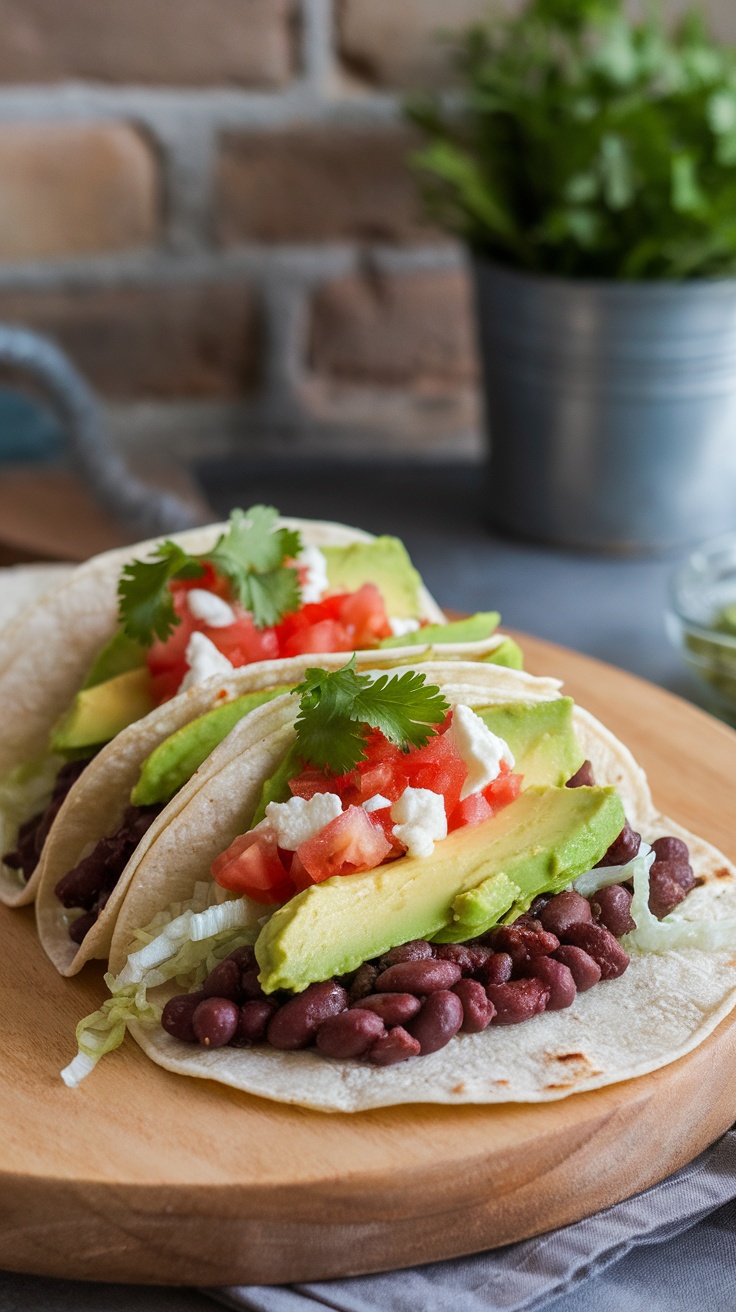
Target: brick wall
{"type": "Point", "coordinates": [206, 202]}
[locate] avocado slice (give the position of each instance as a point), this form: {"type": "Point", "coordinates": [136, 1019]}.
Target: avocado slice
{"type": "Point", "coordinates": [541, 842]}
{"type": "Point", "coordinates": [474, 629]}
{"type": "Point", "coordinates": [174, 761]}
{"type": "Point", "coordinates": [385, 562]}
{"type": "Point", "coordinates": [118, 656]}
{"type": "Point", "coordinates": [100, 713]}
{"type": "Point", "coordinates": [541, 736]}
{"type": "Point", "coordinates": [507, 653]}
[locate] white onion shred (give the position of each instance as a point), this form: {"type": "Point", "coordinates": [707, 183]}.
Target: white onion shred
{"type": "Point", "coordinates": [673, 932]}
{"type": "Point", "coordinates": [604, 876]}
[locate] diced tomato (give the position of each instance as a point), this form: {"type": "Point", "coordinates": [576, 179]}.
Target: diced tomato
{"type": "Point", "coordinates": [325, 636]}
{"type": "Point", "coordinates": [504, 789]}
{"type": "Point", "coordinates": [312, 780]}
{"type": "Point", "coordinates": [345, 846]}
{"type": "Point", "coordinates": [438, 767]}
{"type": "Point", "coordinates": [242, 642]}
{"type": "Point", "coordinates": [363, 614]}
{"type": "Point", "coordinates": [252, 865]}
{"type": "Point", "coordinates": [382, 818]}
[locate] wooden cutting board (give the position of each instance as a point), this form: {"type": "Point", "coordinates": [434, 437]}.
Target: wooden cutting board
{"type": "Point", "coordinates": [140, 1175]}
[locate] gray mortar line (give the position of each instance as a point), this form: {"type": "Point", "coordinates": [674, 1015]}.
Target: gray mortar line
{"type": "Point", "coordinates": [309, 265]}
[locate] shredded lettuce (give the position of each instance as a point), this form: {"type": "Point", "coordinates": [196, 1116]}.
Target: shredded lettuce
{"type": "Point", "coordinates": [604, 876]}
{"type": "Point", "coordinates": [183, 943]}
{"type": "Point", "coordinates": [24, 792]}
{"type": "Point", "coordinates": [673, 932]}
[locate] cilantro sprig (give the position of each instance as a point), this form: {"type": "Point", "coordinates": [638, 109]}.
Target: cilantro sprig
{"type": "Point", "coordinates": [339, 709]}
{"type": "Point", "coordinates": [251, 555]}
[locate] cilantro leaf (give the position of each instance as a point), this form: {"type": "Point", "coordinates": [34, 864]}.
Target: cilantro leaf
{"type": "Point", "coordinates": [338, 710]}
{"type": "Point", "coordinates": [146, 606]}
{"type": "Point", "coordinates": [251, 556]}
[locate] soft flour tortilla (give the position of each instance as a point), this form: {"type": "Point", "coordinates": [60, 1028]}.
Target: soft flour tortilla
{"type": "Point", "coordinates": [95, 805]}
{"type": "Point", "coordinates": [48, 650]}
{"type": "Point", "coordinates": [660, 1009]}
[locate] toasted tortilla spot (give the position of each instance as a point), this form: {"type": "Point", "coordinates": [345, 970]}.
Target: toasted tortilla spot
{"type": "Point", "coordinates": [571, 1056]}
{"type": "Point", "coordinates": [459, 1088]}
{"type": "Point", "coordinates": [723, 873]}
{"type": "Point", "coordinates": [701, 879]}
{"type": "Point", "coordinates": [500, 1081]}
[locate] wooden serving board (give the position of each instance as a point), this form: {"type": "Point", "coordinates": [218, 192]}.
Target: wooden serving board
{"type": "Point", "coordinates": [141, 1175]}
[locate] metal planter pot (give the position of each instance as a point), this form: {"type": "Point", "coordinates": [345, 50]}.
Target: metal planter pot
{"type": "Point", "coordinates": [611, 408]}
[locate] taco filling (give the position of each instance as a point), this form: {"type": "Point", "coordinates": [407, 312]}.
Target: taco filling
{"type": "Point", "coordinates": [414, 870]}
{"type": "Point", "coordinates": [260, 594]}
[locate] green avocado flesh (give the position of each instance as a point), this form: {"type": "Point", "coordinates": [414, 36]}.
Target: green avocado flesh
{"type": "Point", "coordinates": [100, 713]}
{"type": "Point", "coordinates": [474, 629]}
{"type": "Point", "coordinates": [541, 737]}
{"type": "Point", "coordinates": [385, 562]}
{"type": "Point", "coordinates": [507, 653]}
{"type": "Point", "coordinates": [541, 842]}
{"type": "Point", "coordinates": [118, 656]}
{"type": "Point", "coordinates": [174, 761]}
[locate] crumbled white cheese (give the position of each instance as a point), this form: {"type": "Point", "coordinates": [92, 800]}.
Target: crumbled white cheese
{"type": "Point", "coordinates": [420, 820]}
{"type": "Point", "coordinates": [210, 609]}
{"type": "Point", "coordinates": [315, 578]}
{"type": "Point", "coordinates": [204, 661]}
{"type": "Point", "coordinates": [481, 750]}
{"type": "Point", "coordinates": [376, 803]}
{"type": "Point", "coordinates": [300, 818]}
{"type": "Point", "coordinates": [401, 626]}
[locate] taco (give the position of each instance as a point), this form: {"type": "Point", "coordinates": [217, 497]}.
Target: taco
{"type": "Point", "coordinates": [132, 628]}
{"type": "Point", "coordinates": [141, 780]}
{"type": "Point", "coordinates": [348, 952]}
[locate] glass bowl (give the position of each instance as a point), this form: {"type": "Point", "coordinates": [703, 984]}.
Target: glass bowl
{"type": "Point", "coordinates": [703, 595]}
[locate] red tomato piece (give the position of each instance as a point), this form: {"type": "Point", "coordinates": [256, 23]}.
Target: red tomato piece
{"type": "Point", "coordinates": [382, 818]}
{"type": "Point", "coordinates": [325, 636]}
{"type": "Point", "coordinates": [438, 767]}
{"type": "Point", "coordinates": [504, 789]}
{"type": "Point", "coordinates": [345, 846]}
{"type": "Point", "coordinates": [471, 811]}
{"type": "Point", "coordinates": [252, 865]}
{"type": "Point", "coordinates": [364, 615]}
{"type": "Point", "coordinates": [312, 780]}
{"type": "Point", "coordinates": [242, 642]}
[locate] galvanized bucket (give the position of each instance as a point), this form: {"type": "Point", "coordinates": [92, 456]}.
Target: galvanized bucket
{"type": "Point", "coordinates": [611, 408]}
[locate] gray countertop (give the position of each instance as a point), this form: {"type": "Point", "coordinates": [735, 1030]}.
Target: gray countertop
{"type": "Point", "coordinates": [608, 607]}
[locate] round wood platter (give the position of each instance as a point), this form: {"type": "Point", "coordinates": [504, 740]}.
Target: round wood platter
{"type": "Point", "coordinates": [141, 1175]}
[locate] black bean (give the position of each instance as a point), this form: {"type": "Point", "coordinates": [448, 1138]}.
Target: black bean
{"type": "Point", "coordinates": [585, 971]}
{"type": "Point", "coordinates": [612, 908]}
{"type": "Point", "coordinates": [518, 1000]}
{"type": "Point", "coordinates": [671, 849]}
{"type": "Point", "coordinates": [478, 1010]}
{"type": "Point", "coordinates": [523, 942]}
{"type": "Point", "coordinates": [497, 970]}
{"type": "Point", "coordinates": [249, 985]}
{"type": "Point", "coordinates": [393, 1008]}
{"type": "Point", "coordinates": [623, 849]}
{"type": "Point", "coordinates": [583, 778]}
{"type": "Point", "coordinates": [215, 1021]}
{"type": "Point", "coordinates": [223, 981]}
{"type": "Point", "coordinates": [568, 908]}
{"type": "Point", "coordinates": [350, 1034]}
{"type": "Point", "coordinates": [253, 1022]}
{"type": "Point", "coordinates": [558, 979]}
{"type": "Point", "coordinates": [418, 977]}
{"type": "Point", "coordinates": [417, 950]}
{"type": "Point", "coordinates": [79, 928]}
{"type": "Point", "coordinates": [438, 1021]}
{"type": "Point", "coordinates": [363, 981]}
{"type": "Point", "coordinates": [600, 944]}
{"type": "Point", "coordinates": [398, 1045]}
{"type": "Point", "coordinates": [468, 956]}
{"type": "Point", "coordinates": [295, 1023]}
{"type": "Point", "coordinates": [177, 1016]}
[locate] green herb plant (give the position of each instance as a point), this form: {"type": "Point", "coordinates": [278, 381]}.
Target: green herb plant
{"type": "Point", "coordinates": [338, 710]}
{"type": "Point", "coordinates": [251, 555]}
{"type": "Point", "coordinates": [588, 145]}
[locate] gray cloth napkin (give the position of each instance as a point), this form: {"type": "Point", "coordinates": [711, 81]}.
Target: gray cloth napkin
{"type": "Point", "coordinates": [540, 1272]}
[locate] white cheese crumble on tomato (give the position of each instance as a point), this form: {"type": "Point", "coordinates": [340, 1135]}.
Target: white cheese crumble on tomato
{"type": "Point", "coordinates": [210, 609]}
{"type": "Point", "coordinates": [400, 627]}
{"type": "Point", "coordinates": [204, 661]}
{"type": "Point", "coordinates": [481, 750]}
{"type": "Point", "coordinates": [300, 818]}
{"type": "Point", "coordinates": [419, 820]}
{"type": "Point", "coordinates": [314, 576]}
{"type": "Point", "coordinates": [376, 803]}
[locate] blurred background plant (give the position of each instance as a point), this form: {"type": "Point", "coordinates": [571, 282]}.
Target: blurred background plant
{"type": "Point", "coordinates": [588, 144]}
